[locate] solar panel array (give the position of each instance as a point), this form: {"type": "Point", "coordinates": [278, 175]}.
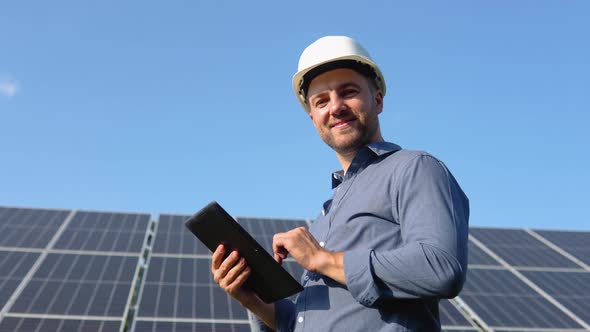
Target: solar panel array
{"type": "Point", "coordinates": [68, 270]}
{"type": "Point", "coordinates": [178, 293]}
{"type": "Point", "coordinates": [63, 270]}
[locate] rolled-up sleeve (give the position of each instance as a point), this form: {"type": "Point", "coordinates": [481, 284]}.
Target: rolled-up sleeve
{"type": "Point", "coordinates": [433, 214]}
{"type": "Point", "coordinates": [284, 317]}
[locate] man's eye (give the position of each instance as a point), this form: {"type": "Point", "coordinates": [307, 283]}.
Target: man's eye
{"type": "Point", "coordinates": [320, 103]}
{"type": "Point", "coordinates": [349, 93]}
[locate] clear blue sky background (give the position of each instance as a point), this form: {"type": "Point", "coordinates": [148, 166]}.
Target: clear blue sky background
{"type": "Point", "coordinates": [163, 106]}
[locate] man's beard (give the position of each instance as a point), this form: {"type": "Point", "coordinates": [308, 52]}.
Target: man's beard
{"type": "Point", "coordinates": [364, 134]}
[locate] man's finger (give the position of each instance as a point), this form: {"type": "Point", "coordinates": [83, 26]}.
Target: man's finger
{"type": "Point", "coordinates": [217, 257]}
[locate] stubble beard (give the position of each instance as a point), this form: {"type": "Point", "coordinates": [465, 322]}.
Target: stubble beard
{"type": "Point", "coordinates": [353, 138]}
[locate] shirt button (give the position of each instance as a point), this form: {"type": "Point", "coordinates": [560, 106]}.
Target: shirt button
{"type": "Point", "coordinates": [300, 319]}
{"type": "Point", "coordinates": [322, 244]}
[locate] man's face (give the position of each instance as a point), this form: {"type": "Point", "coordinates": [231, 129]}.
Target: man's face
{"type": "Point", "coordinates": [344, 108]}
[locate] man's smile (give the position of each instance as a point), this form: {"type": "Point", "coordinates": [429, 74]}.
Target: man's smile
{"type": "Point", "coordinates": [342, 123]}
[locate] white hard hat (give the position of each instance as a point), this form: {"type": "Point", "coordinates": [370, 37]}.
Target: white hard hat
{"type": "Point", "coordinates": [325, 51]}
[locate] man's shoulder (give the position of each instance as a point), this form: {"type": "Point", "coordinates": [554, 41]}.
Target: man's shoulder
{"type": "Point", "coordinates": [403, 156]}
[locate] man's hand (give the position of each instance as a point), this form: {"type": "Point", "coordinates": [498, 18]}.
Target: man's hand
{"type": "Point", "coordinates": [231, 274]}
{"type": "Point", "coordinates": [305, 249]}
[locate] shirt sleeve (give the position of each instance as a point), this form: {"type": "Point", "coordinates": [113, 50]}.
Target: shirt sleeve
{"type": "Point", "coordinates": [433, 214]}
{"type": "Point", "coordinates": [284, 317]}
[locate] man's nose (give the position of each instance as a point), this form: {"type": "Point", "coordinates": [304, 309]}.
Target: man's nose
{"type": "Point", "coordinates": [336, 104]}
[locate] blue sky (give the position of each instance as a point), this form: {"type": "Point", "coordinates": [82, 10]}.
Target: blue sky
{"type": "Point", "coordinates": [164, 106]}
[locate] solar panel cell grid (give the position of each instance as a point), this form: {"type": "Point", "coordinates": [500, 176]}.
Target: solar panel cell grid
{"type": "Point", "coordinates": [519, 248]}
{"type": "Point", "coordinates": [14, 266]}
{"type": "Point", "coordinates": [29, 228]}
{"type": "Point", "coordinates": [172, 237]}
{"type": "Point", "coordinates": [478, 257]}
{"type": "Point", "coordinates": [68, 284]}
{"type": "Point", "coordinates": [98, 231]}
{"type": "Point", "coordinates": [190, 327]}
{"type": "Point", "coordinates": [501, 299]}
{"type": "Point", "coordinates": [571, 289]}
{"type": "Point", "coordinates": [183, 287]}
{"type": "Point", "coordinates": [18, 324]}
{"type": "Point", "coordinates": [575, 243]}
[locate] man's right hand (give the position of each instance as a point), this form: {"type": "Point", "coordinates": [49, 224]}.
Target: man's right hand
{"type": "Point", "coordinates": [230, 274]}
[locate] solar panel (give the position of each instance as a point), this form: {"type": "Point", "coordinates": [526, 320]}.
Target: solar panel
{"type": "Point", "coordinates": [14, 266]}
{"type": "Point", "coordinates": [575, 243]}
{"type": "Point", "coordinates": [177, 287]}
{"type": "Point", "coordinates": [571, 289]}
{"type": "Point", "coordinates": [479, 257]}
{"type": "Point", "coordinates": [451, 316]}
{"type": "Point", "coordinates": [104, 231]}
{"type": "Point", "coordinates": [23, 324]}
{"type": "Point", "coordinates": [503, 300]}
{"type": "Point", "coordinates": [519, 248]}
{"type": "Point", "coordinates": [29, 228]}
{"type": "Point", "coordinates": [64, 271]}
{"type": "Point", "coordinates": [178, 292]}
{"type": "Point", "coordinates": [172, 237]}
{"type": "Point", "coordinates": [146, 326]}
{"type": "Point", "coordinates": [79, 285]}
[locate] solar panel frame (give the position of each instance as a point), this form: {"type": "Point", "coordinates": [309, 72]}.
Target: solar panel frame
{"type": "Point", "coordinates": [451, 316]}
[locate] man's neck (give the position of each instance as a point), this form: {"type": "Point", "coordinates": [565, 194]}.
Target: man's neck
{"type": "Point", "coordinates": [346, 159]}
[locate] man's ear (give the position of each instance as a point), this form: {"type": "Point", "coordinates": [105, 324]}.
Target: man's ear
{"type": "Point", "coordinates": [378, 99]}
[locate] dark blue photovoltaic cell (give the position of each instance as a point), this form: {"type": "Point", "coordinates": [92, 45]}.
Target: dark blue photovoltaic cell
{"type": "Point", "coordinates": [518, 248]}
{"type": "Point", "coordinates": [264, 229]}
{"type": "Point", "coordinates": [451, 316]}
{"type": "Point", "coordinates": [14, 266]}
{"type": "Point", "coordinates": [571, 289]}
{"type": "Point", "coordinates": [29, 228]}
{"type": "Point", "coordinates": [177, 287]}
{"type": "Point", "coordinates": [143, 326]}
{"type": "Point", "coordinates": [69, 284]}
{"type": "Point", "coordinates": [172, 237]}
{"type": "Point", "coordinates": [501, 299]}
{"type": "Point", "coordinates": [479, 257]}
{"type": "Point", "coordinates": [105, 231]}
{"type": "Point", "coordinates": [22, 324]}
{"type": "Point", "coordinates": [575, 243]}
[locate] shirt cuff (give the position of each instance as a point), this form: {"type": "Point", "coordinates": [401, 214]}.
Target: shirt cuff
{"type": "Point", "coordinates": [358, 271]}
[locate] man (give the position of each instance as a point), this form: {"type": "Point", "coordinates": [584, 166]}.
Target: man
{"type": "Point", "coordinates": [392, 240]}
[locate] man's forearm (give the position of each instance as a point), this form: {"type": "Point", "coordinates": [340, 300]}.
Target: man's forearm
{"type": "Point", "coordinates": [264, 311]}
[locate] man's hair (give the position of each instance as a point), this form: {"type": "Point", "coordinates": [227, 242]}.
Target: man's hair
{"type": "Point", "coordinates": [365, 70]}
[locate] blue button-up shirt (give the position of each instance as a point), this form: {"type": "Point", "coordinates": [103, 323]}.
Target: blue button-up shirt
{"type": "Point", "coordinates": [401, 220]}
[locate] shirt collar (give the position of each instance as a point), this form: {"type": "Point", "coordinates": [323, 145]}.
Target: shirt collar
{"type": "Point", "coordinates": [378, 149]}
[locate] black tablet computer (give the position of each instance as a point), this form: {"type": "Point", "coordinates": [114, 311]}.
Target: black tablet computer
{"type": "Point", "coordinates": [213, 226]}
